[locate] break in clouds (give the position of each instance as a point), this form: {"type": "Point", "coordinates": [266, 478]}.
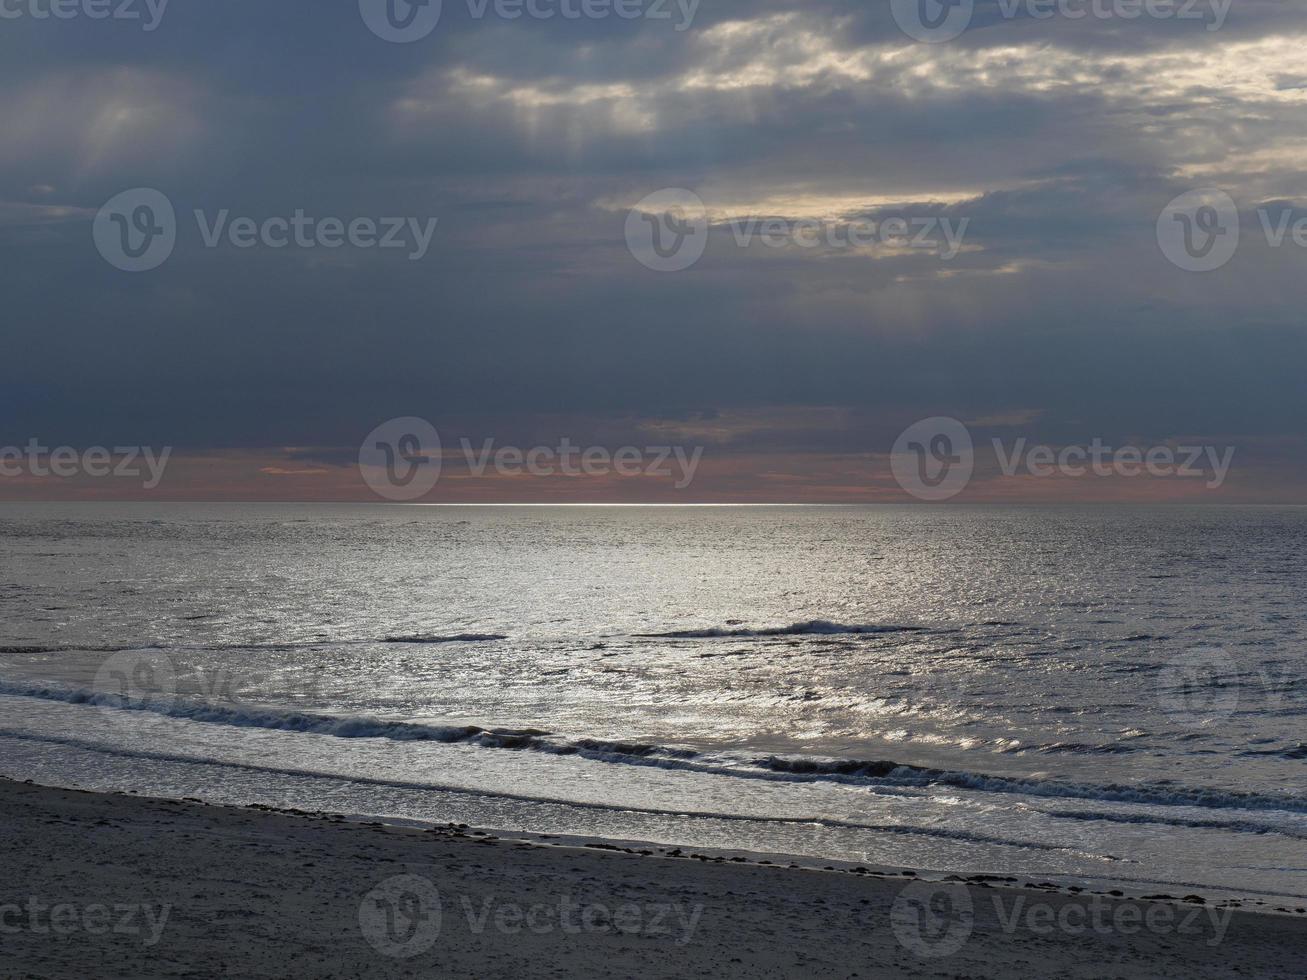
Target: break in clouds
{"type": "Point", "coordinates": [525, 141]}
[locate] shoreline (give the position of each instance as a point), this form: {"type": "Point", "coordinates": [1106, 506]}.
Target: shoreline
{"type": "Point", "coordinates": [1069, 885]}
{"type": "Point", "coordinates": [391, 799]}
{"type": "Point", "coordinates": [265, 892]}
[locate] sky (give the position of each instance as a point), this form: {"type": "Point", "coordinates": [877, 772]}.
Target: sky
{"type": "Point", "coordinates": [1051, 141]}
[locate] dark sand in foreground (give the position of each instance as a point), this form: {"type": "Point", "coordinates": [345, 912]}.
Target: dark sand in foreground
{"type": "Point", "coordinates": [118, 886]}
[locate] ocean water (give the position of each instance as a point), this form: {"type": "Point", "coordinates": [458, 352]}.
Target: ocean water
{"type": "Point", "coordinates": [1114, 694]}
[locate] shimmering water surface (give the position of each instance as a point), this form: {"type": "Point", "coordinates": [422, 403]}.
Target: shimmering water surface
{"type": "Point", "coordinates": [1091, 692]}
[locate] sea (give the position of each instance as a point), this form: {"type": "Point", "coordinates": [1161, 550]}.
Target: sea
{"type": "Point", "coordinates": [1065, 693]}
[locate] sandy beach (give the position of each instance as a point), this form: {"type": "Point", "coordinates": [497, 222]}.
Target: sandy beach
{"type": "Point", "coordinates": [113, 885]}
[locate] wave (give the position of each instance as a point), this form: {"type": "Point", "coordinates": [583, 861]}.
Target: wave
{"type": "Point", "coordinates": [419, 638]}
{"type": "Point", "coordinates": [41, 648]}
{"type": "Point", "coordinates": [680, 814]}
{"type": "Point", "coordinates": [1238, 826]}
{"type": "Point", "coordinates": [1073, 748]}
{"type": "Point", "coordinates": [344, 726]}
{"type": "Point", "coordinates": [1296, 752]}
{"type": "Point", "coordinates": [1147, 794]}
{"type": "Point", "coordinates": [455, 638]}
{"type": "Point", "coordinates": [831, 767]}
{"type": "Point", "coordinates": [813, 627]}
{"type": "Point", "coordinates": [872, 774]}
{"type": "Point", "coordinates": [886, 773]}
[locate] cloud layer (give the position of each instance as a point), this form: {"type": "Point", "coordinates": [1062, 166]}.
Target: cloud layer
{"type": "Point", "coordinates": [1059, 140]}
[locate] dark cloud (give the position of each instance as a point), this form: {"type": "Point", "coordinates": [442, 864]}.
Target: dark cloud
{"type": "Point", "coordinates": [1058, 141]}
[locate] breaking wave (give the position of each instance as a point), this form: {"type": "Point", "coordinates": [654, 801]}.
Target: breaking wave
{"type": "Point", "coordinates": [814, 627]}
{"type": "Point", "coordinates": [872, 774]}
{"type": "Point", "coordinates": [40, 648]}
{"type": "Point", "coordinates": [455, 638]}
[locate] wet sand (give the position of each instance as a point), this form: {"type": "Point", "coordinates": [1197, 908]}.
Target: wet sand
{"type": "Point", "coordinates": [121, 886]}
